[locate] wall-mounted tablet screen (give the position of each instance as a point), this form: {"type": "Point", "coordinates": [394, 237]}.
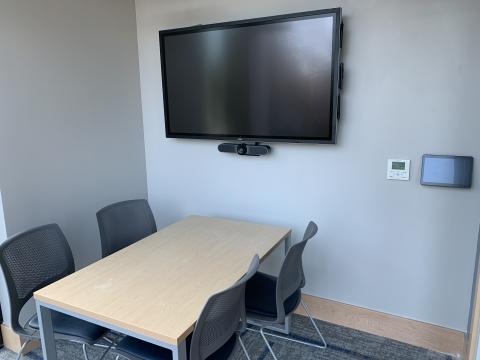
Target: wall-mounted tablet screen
{"type": "Point", "coordinates": [447, 170]}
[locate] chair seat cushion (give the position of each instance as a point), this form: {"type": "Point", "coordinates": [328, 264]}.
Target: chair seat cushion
{"type": "Point", "coordinates": [260, 297]}
{"type": "Point", "coordinates": [139, 349]}
{"type": "Point", "coordinates": [225, 351]}
{"type": "Point", "coordinates": [70, 326]}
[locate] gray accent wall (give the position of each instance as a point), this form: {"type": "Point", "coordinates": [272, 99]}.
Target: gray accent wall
{"type": "Point", "coordinates": [71, 135]}
{"type": "Point", "coordinates": [411, 87]}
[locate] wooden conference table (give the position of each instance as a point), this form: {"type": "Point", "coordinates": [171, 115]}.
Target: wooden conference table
{"type": "Point", "coordinates": [156, 288]}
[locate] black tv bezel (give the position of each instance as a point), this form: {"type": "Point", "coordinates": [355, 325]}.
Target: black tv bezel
{"type": "Point", "coordinates": [335, 13]}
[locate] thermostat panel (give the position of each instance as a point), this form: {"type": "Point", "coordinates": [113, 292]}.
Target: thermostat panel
{"type": "Point", "coordinates": [398, 169]}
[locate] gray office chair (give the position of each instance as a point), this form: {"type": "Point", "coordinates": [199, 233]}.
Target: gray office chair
{"type": "Point", "coordinates": [221, 322]}
{"type": "Point", "coordinates": [269, 300]}
{"type": "Point", "coordinates": [124, 223]}
{"type": "Point", "coordinates": [30, 261]}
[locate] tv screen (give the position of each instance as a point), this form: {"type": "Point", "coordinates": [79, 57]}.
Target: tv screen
{"type": "Point", "coordinates": [267, 79]}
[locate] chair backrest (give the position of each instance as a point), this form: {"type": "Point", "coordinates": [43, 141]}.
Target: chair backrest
{"type": "Point", "coordinates": [124, 223]}
{"type": "Point", "coordinates": [223, 314]}
{"type": "Point", "coordinates": [32, 260]}
{"type": "Point", "coordinates": [292, 277]}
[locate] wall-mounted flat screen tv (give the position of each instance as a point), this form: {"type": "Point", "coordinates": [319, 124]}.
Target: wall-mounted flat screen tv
{"type": "Point", "coordinates": [267, 79]}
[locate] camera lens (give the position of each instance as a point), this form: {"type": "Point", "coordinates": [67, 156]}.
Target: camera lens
{"type": "Point", "coordinates": [241, 149]}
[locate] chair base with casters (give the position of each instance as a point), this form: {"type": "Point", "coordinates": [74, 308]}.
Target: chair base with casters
{"type": "Point", "coordinates": [261, 311]}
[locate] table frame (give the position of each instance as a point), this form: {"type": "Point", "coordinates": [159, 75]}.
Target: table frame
{"type": "Point", "coordinates": [49, 349]}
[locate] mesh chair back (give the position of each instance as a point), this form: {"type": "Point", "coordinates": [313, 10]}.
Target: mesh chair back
{"type": "Point", "coordinates": [291, 277]}
{"type": "Point", "coordinates": [124, 223]}
{"type": "Point", "coordinates": [221, 317]}
{"type": "Point", "coordinates": [32, 260]}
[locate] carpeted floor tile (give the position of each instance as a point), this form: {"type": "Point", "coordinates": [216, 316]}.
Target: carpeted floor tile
{"type": "Point", "coordinates": [343, 344]}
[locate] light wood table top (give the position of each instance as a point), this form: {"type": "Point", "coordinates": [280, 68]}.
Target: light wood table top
{"type": "Point", "coordinates": [158, 286]}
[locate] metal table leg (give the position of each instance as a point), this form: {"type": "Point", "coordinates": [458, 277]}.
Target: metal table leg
{"type": "Point", "coordinates": [288, 242]}
{"type": "Point", "coordinates": [46, 332]}
{"type": "Point", "coordinates": [180, 353]}
{"type": "Point", "coordinates": [288, 319]}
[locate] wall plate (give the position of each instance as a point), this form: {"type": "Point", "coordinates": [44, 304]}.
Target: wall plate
{"type": "Point", "coordinates": [398, 169]}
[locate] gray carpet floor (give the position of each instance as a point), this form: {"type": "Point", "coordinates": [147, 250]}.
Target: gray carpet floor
{"type": "Point", "coordinates": [343, 344]}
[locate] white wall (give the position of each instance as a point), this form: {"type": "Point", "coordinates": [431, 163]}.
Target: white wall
{"type": "Point", "coordinates": [411, 88]}
{"type": "Point", "coordinates": [71, 135]}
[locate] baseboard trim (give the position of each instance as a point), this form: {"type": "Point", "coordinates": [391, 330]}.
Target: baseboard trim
{"type": "Point", "coordinates": [14, 342]}
{"type": "Point", "coordinates": [409, 331]}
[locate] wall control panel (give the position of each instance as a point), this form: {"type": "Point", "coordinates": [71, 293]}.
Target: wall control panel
{"type": "Point", "coordinates": [447, 170]}
{"type": "Point", "coordinates": [398, 169]}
